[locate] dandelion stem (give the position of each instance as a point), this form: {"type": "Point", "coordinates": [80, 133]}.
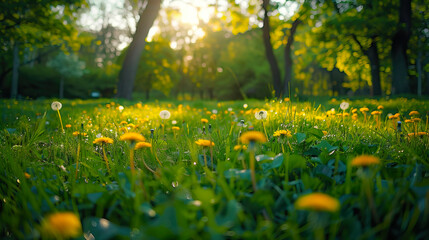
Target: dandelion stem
{"type": "Point", "coordinates": [59, 115]}
{"type": "Point", "coordinates": [105, 158]}
{"type": "Point", "coordinates": [77, 158]}
{"type": "Point", "coordinates": [205, 158]}
{"type": "Point", "coordinates": [133, 171]}
{"type": "Point", "coordinates": [252, 168]}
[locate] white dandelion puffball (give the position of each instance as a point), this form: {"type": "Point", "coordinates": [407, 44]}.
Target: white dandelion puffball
{"type": "Point", "coordinates": [56, 106]}
{"type": "Point", "coordinates": [260, 115]}
{"type": "Point", "coordinates": [214, 111]}
{"type": "Point", "coordinates": [245, 105]}
{"type": "Point", "coordinates": [121, 108]}
{"type": "Point", "coordinates": [344, 105]}
{"type": "Point", "coordinates": [164, 114]}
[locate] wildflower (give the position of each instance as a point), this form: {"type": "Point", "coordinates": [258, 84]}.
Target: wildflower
{"type": "Point", "coordinates": [413, 113]}
{"type": "Point", "coordinates": [365, 160]}
{"type": "Point", "coordinates": [165, 114]}
{"type": "Point", "coordinates": [240, 147]}
{"type": "Point", "coordinates": [245, 106]}
{"type": "Point", "coordinates": [123, 123]}
{"type": "Point", "coordinates": [354, 110]}
{"type": "Point", "coordinates": [286, 99]}
{"type": "Point", "coordinates": [319, 118]}
{"type": "Point", "coordinates": [282, 133]}
{"type": "Point", "coordinates": [417, 119]}
{"type": "Point", "coordinates": [56, 106]}
{"type": "Point", "coordinates": [62, 225]}
{"type": "Point", "coordinates": [393, 116]}
{"type": "Point", "coordinates": [68, 125]}
{"type": "Point", "coordinates": [27, 176]}
{"type": "Point", "coordinates": [408, 121]}
{"type": "Point", "coordinates": [380, 107]}
{"type": "Point", "coordinates": [344, 105]}
{"type": "Point", "coordinates": [364, 109]}
{"type": "Point", "coordinates": [213, 117]}
{"type": "Point", "coordinates": [132, 137]}
{"type": "Point", "coordinates": [318, 202]}
{"type": "Point", "coordinates": [375, 113]}
{"type": "Point", "coordinates": [417, 134]}
{"type": "Point", "coordinates": [175, 128]}
{"type": "Point", "coordinates": [204, 120]}
{"type": "Point", "coordinates": [103, 140]}
{"type": "Point", "coordinates": [204, 143]}
{"type": "Point", "coordinates": [354, 116]}
{"type": "Point", "coordinates": [260, 115]}
{"type": "Point", "coordinates": [143, 145]}
{"type": "Point", "coordinates": [252, 136]}
{"type": "Point", "coordinates": [325, 133]}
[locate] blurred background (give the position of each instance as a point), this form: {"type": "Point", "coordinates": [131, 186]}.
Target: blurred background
{"type": "Point", "coordinates": [213, 49]}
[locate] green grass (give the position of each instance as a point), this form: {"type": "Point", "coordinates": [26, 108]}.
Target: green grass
{"type": "Point", "coordinates": [187, 200]}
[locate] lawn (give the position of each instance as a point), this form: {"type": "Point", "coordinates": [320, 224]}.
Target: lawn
{"type": "Point", "coordinates": [109, 169]}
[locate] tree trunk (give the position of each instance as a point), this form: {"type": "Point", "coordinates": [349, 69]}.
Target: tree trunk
{"type": "Point", "coordinates": [128, 72]}
{"type": "Point", "coordinates": [288, 57]}
{"type": "Point", "coordinates": [374, 62]}
{"type": "Point", "coordinates": [15, 68]}
{"type": "Point", "coordinates": [419, 69]}
{"type": "Point", "coordinates": [275, 71]}
{"type": "Point", "coordinates": [400, 81]}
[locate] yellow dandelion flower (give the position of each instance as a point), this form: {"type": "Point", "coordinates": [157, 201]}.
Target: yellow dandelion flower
{"type": "Point", "coordinates": [319, 118]}
{"type": "Point", "coordinates": [282, 133]}
{"type": "Point", "coordinates": [318, 202]}
{"type": "Point", "coordinates": [380, 107]}
{"type": "Point", "coordinates": [123, 123]}
{"type": "Point", "coordinates": [27, 176]}
{"type": "Point", "coordinates": [240, 147]}
{"type": "Point", "coordinates": [62, 225]}
{"type": "Point", "coordinates": [354, 110]}
{"type": "Point", "coordinates": [132, 137]}
{"type": "Point", "coordinates": [205, 143]}
{"type": "Point", "coordinates": [365, 160]}
{"type": "Point", "coordinates": [408, 121]}
{"type": "Point", "coordinates": [375, 113]}
{"type": "Point", "coordinates": [252, 136]}
{"type": "Point", "coordinates": [175, 128]}
{"type": "Point", "coordinates": [393, 116]}
{"type": "Point", "coordinates": [204, 120]}
{"type": "Point", "coordinates": [130, 125]}
{"type": "Point", "coordinates": [417, 134]}
{"type": "Point", "coordinates": [417, 119]}
{"type": "Point", "coordinates": [143, 145]}
{"type": "Point", "coordinates": [325, 133]}
{"type": "Point", "coordinates": [213, 117]}
{"type": "Point", "coordinates": [76, 133]}
{"type": "Point", "coordinates": [103, 140]}
{"type": "Point", "coordinates": [68, 125]}
{"type": "Point", "coordinates": [413, 113]}
{"type": "Point", "coordinates": [364, 109]}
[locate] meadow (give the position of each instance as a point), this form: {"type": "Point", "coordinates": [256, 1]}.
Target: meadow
{"type": "Point", "coordinates": [274, 169]}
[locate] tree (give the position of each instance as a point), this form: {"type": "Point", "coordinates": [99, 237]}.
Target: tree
{"type": "Point", "coordinates": [269, 52]}
{"type": "Point", "coordinates": [400, 80]}
{"type": "Point", "coordinates": [68, 66]}
{"type": "Point", "coordinates": [128, 71]}
{"type": "Point", "coordinates": [28, 24]}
